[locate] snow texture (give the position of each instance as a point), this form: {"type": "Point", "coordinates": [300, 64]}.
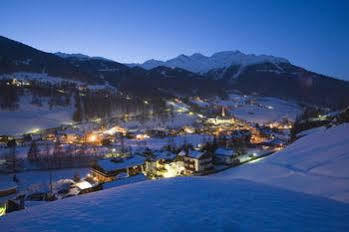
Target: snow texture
{"type": "Point", "coordinates": [262, 110]}
{"type": "Point", "coordinates": [184, 204]}
{"type": "Point", "coordinates": [228, 201]}
{"type": "Point", "coordinates": [38, 181]}
{"type": "Point", "coordinates": [316, 164]}
{"type": "Point", "coordinates": [29, 117]}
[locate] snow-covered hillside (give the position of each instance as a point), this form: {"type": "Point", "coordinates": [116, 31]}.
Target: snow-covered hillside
{"type": "Point", "coordinates": [29, 117]}
{"type": "Point", "coordinates": [257, 109]}
{"type": "Point", "coordinates": [184, 204]}
{"type": "Point", "coordinates": [267, 109]}
{"type": "Point", "coordinates": [316, 164]}
{"type": "Point", "coordinates": [201, 64]}
{"type": "Point", "coordinates": [287, 191]}
{"type": "Point", "coordinates": [39, 77]}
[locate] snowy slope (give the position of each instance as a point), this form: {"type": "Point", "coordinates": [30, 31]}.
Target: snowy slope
{"type": "Point", "coordinates": [39, 77]}
{"type": "Point", "coordinates": [201, 64]}
{"type": "Point", "coordinates": [38, 180]}
{"type": "Point", "coordinates": [316, 164]}
{"type": "Point", "coordinates": [267, 109]}
{"type": "Point", "coordinates": [29, 117]}
{"type": "Point", "coordinates": [260, 109]}
{"type": "Point", "coordinates": [228, 201]}
{"type": "Point", "coordinates": [184, 204]}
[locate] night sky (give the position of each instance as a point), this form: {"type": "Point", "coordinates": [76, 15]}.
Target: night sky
{"type": "Point", "coordinates": [310, 33]}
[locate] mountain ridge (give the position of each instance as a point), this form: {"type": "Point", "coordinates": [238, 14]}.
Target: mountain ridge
{"type": "Point", "coordinates": [79, 56]}
{"type": "Point", "coordinates": [264, 75]}
{"type": "Point", "coordinates": [201, 64]}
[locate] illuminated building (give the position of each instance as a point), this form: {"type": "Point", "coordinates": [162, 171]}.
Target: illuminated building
{"type": "Point", "coordinates": [142, 136]}
{"type": "Point", "coordinates": [197, 162]}
{"type": "Point", "coordinates": [106, 170]}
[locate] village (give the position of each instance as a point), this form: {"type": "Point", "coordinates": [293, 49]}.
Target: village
{"type": "Point", "coordinates": [202, 139]}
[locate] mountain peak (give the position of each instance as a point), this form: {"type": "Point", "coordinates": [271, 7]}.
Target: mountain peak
{"type": "Point", "coordinates": [198, 56]}
{"type": "Point", "coordinates": [201, 64]}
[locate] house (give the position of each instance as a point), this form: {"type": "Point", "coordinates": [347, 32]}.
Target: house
{"type": "Point", "coordinates": [197, 161]}
{"type": "Point", "coordinates": [86, 187]}
{"type": "Point", "coordinates": [225, 156]}
{"type": "Point", "coordinates": [108, 169]}
{"type": "Point", "coordinates": [159, 163]}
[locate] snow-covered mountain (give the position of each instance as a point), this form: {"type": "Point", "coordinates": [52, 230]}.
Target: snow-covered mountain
{"type": "Point", "coordinates": [79, 56]}
{"type": "Point", "coordinates": [202, 64]}
{"type": "Point", "coordinates": [195, 74]}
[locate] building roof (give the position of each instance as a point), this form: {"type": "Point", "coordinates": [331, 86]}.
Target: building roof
{"type": "Point", "coordinates": [166, 155]}
{"type": "Point", "coordinates": [195, 154]}
{"type": "Point", "coordinates": [182, 153]}
{"type": "Point", "coordinates": [275, 141]}
{"type": "Point", "coordinates": [110, 165]}
{"type": "Point", "coordinates": [224, 152]}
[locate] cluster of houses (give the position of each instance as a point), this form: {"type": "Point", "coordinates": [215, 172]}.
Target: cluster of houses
{"type": "Point", "coordinates": [163, 164]}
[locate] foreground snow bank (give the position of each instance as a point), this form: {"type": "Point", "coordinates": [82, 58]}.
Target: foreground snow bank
{"type": "Point", "coordinates": [185, 204]}
{"type": "Point", "coordinates": [316, 163]}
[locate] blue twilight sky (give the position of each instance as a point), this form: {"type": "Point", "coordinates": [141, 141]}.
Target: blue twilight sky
{"type": "Point", "coordinates": [310, 33]}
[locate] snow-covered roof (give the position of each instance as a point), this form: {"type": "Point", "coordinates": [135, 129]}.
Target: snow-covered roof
{"type": "Point", "coordinates": [182, 153]}
{"type": "Point", "coordinates": [224, 152]}
{"type": "Point", "coordinates": [83, 184]}
{"type": "Point", "coordinates": [166, 155]}
{"type": "Point", "coordinates": [195, 154]}
{"type": "Point", "coordinates": [275, 141]}
{"type": "Point", "coordinates": [109, 165]}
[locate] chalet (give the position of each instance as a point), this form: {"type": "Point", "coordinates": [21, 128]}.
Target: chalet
{"type": "Point", "coordinates": [225, 156]}
{"type": "Point", "coordinates": [84, 186]}
{"type": "Point", "coordinates": [197, 162]}
{"type": "Point", "coordinates": [108, 169]}
{"type": "Point", "coordinates": [156, 164]}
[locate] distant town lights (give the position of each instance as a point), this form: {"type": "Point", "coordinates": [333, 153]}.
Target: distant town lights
{"type": "Point", "coordinates": [92, 138]}
{"type": "Point", "coordinates": [142, 137]}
